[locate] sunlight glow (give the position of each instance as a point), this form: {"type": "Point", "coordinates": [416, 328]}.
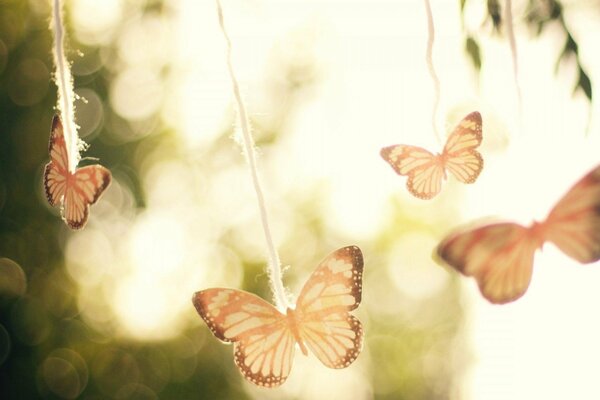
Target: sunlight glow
{"type": "Point", "coordinates": [337, 134]}
{"type": "Point", "coordinates": [363, 85]}
{"type": "Point", "coordinates": [95, 21]}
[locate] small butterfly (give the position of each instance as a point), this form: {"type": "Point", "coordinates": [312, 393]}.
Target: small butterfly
{"type": "Point", "coordinates": [426, 170]}
{"type": "Point", "coordinates": [500, 256]}
{"type": "Point", "coordinates": [76, 190]}
{"type": "Point", "coordinates": [264, 338]}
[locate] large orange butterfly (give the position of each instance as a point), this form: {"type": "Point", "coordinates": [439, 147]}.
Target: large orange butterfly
{"type": "Point", "coordinates": [76, 190]}
{"type": "Point", "coordinates": [500, 256]}
{"type": "Point", "coordinates": [426, 170]}
{"type": "Point", "coordinates": [264, 338]}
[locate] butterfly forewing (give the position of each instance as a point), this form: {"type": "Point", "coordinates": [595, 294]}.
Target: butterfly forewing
{"type": "Point", "coordinates": [460, 156]}
{"type": "Point", "coordinates": [324, 322]}
{"type": "Point", "coordinates": [56, 171]}
{"type": "Point", "coordinates": [77, 190]}
{"type": "Point", "coordinates": [498, 256]}
{"type": "Point", "coordinates": [406, 159]}
{"type": "Point", "coordinates": [264, 344]}
{"type": "Point", "coordinates": [424, 171]}
{"type": "Point", "coordinates": [335, 285]}
{"type": "Point", "coordinates": [573, 225]}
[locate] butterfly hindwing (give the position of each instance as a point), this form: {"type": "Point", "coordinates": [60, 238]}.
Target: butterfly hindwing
{"type": "Point", "coordinates": [573, 225]}
{"type": "Point", "coordinates": [263, 342]}
{"type": "Point", "coordinates": [85, 188]}
{"type": "Point", "coordinates": [498, 256]}
{"type": "Point", "coordinates": [78, 190]}
{"type": "Point", "coordinates": [461, 158]}
{"type": "Point", "coordinates": [426, 183]}
{"type": "Point", "coordinates": [332, 291]}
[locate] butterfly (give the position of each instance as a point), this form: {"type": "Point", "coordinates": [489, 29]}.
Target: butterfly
{"type": "Point", "coordinates": [426, 170]}
{"type": "Point", "coordinates": [264, 339]}
{"type": "Point", "coordinates": [500, 256]}
{"type": "Point", "coordinates": [76, 190]}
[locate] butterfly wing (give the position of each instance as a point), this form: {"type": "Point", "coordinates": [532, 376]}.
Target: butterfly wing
{"type": "Point", "coordinates": [573, 225]}
{"type": "Point", "coordinates": [498, 256]}
{"type": "Point", "coordinates": [424, 170]}
{"type": "Point", "coordinates": [56, 173]}
{"type": "Point", "coordinates": [263, 342]}
{"type": "Point", "coordinates": [76, 190]}
{"type": "Point", "coordinates": [460, 156]}
{"type": "Point", "coordinates": [322, 310]}
{"type": "Point", "coordinates": [84, 189]}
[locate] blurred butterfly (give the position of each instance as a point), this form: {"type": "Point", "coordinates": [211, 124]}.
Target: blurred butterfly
{"type": "Point", "coordinates": [426, 170]}
{"type": "Point", "coordinates": [500, 256]}
{"type": "Point", "coordinates": [264, 338]}
{"type": "Point", "coordinates": [76, 190]}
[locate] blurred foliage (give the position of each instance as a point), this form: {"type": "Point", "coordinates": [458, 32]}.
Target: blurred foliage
{"type": "Point", "coordinates": [58, 337]}
{"type": "Point", "coordinates": [474, 52]}
{"type": "Point", "coordinates": [494, 11]}
{"type": "Point", "coordinates": [538, 15]}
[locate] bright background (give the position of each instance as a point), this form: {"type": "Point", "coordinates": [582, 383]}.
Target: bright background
{"type": "Point", "coordinates": [106, 312]}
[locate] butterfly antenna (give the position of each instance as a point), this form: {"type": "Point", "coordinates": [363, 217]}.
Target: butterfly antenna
{"type": "Point", "coordinates": [432, 73]}
{"type": "Point", "coordinates": [248, 144]}
{"type": "Point", "coordinates": [64, 84]}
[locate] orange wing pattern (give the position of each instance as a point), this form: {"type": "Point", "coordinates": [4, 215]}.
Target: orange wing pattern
{"type": "Point", "coordinates": [426, 171]}
{"type": "Point", "coordinates": [500, 256]}
{"type": "Point", "coordinates": [264, 339]}
{"type": "Point", "coordinates": [77, 191]}
{"type": "Point", "coordinates": [325, 324]}
{"type": "Point", "coordinates": [573, 225]}
{"type": "Point", "coordinates": [264, 344]}
{"type": "Point", "coordinates": [461, 158]}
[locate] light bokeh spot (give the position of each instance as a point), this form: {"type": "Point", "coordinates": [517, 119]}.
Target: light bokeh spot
{"type": "Point", "coordinates": [13, 282]}
{"type": "Point", "coordinates": [65, 373]}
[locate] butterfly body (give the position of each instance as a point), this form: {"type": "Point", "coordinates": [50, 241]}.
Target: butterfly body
{"type": "Point", "coordinates": [293, 323]}
{"type": "Point", "coordinates": [76, 190]}
{"type": "Point", "coordinates": [500, 256]}
{"type": "Point", "coordinates": [264, 338]}
{"type": "Point", "coordinates": [426, 171]}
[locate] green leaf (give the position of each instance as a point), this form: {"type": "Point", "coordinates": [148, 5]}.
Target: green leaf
{"type": "Point", "coordinates": [472, 49]}
{"type": "Point", "coordinates": [584, 84]}
{"type": "Point", "coordinates": [495, 12]}
{"type": "Point", "coordinates": [570, 48]}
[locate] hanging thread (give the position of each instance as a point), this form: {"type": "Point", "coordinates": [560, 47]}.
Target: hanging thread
{"type": "Point", "coordinates": [274, 268]}
{"type": "Point", "coordinates": [432, 73]}
{"type": "Point", "coordinates": [513, 48]}
{"type": "Point", "coordinates": [64, 83]}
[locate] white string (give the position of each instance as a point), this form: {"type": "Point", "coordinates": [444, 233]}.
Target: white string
{"type": "Point", "coordinates": [432, 73]}
{"type": "Point", "coordinates": [64, 83]}
{"type": "Point", "coordinates": [274, 265]}
{"type": "Point", "coordinates": [513, 48]}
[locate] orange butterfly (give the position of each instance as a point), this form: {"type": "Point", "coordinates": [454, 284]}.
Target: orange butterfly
{"type": "Point", "coordinates": [426, 171]}
{"type": "Point", "coordinates": [76, 190]}
{"type": "Point", "coordinates": [264, 339]}
{"type": "Point", "coordinates": [500, 256]}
